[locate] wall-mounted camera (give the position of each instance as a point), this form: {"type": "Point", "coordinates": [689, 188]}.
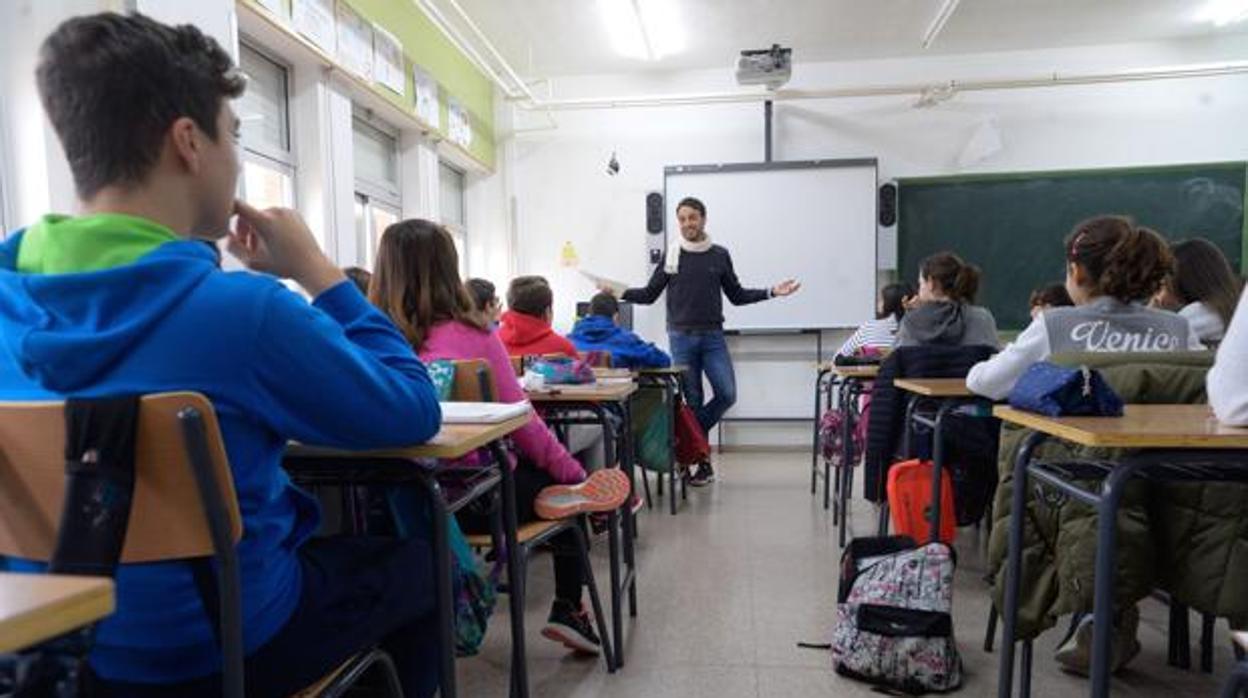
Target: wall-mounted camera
{"type": "Point", "coordinates": [613, 165]}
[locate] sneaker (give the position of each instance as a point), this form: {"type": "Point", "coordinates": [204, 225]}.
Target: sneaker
{"type": "Point", "coordinates": [570, 626]}
{"type": "Point", "coordinates": [1075, 652]}
{"type": "Point", "coordinates": [703, 476]}
{"type": "Point", "coordinates": [603, 490]}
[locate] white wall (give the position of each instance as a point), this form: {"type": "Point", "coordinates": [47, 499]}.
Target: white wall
{"type": "Point", "coordinates": [563, 192]}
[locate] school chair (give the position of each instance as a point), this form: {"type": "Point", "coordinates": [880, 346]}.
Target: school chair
{"type": "Point", "coordinates": [183, 508]}
{"type": "Point", "coordinates": [474, 383]}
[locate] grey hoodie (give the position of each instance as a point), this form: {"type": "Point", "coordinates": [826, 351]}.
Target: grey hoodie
{"type": "Point", "coordinates": [948, 323]}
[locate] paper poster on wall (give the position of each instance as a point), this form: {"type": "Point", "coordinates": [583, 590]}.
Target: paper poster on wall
{"type": "Point", "coordinates": [315, 20]}
{"type": "Point", "coordinates": [458, 126]}
{"type": "Point", "coordinates": [426, 97]}
{"type": "Point", "coordinates": [388, 60]}
{"type": "Point", "coordinates": [355, 42]}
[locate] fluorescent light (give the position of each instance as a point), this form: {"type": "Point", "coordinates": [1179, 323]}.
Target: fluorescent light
{"type": "Point", "coordinates": [1223, 12]}
{"type": "Point", "coordinates": [646, 30]}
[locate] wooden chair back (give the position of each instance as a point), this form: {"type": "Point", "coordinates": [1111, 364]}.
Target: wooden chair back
{"type": "Point", "coordinates": [167, 519]}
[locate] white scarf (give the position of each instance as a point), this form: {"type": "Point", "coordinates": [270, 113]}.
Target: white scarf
{"type": "Point", "coordinates": [680, 244]}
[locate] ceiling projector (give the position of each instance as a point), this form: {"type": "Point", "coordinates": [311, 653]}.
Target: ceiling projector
{"type": "Point", "coordinates": [771, 67]}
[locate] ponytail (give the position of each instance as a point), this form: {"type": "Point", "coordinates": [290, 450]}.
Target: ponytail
{"type": "Point", "coordinates": [956, 279]}
{"type": "Point", "coordinates": [1121, 260]}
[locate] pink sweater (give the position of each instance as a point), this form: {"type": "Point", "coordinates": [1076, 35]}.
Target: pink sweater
{"type": "Point", "coordinates": [455, 340]}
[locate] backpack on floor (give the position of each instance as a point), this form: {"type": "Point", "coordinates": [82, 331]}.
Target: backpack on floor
{"type": "Point", "coordinates": [691, 444]}
{"type": "Point", "coordinates": [910, 500]}
{"type": "Point", "coordinates": [894, 616]}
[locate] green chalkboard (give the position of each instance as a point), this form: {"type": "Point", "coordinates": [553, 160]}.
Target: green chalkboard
{"type": "Point", "coordinates": [1013, 225]}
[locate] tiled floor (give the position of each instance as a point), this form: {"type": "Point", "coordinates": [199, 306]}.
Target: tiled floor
{"type": "Point", "coordinates": [745, 571]}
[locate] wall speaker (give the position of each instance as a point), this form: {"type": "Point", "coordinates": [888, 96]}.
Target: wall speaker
{"type": "Point", "coordinates": [654, 213]}
{"type": "Point", "coordinates": [888, 205]}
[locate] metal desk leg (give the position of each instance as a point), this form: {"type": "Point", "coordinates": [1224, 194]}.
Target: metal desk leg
{"type": "Point", "coordinates": [515, 575]}
{"type": "Point", "coordinates": [814, 449]}
{"type": "Point", "coordinates": [611, 440]}
{"type": "Point", "coordinates": [1014, 567]}
{"type": "Point", "coordinates": [938, 464]}
{"type": "Point", "coordinates": [1112, 490]}
{"type": "Point", "coordinates": [443, 585]}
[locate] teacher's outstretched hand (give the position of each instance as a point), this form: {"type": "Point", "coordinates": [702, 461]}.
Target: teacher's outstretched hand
{"type": "Point", "coordinates": [785, 288]}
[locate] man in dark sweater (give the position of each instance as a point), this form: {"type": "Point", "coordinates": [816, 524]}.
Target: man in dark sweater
{"type": "Point", "coordinates": [695, 274]}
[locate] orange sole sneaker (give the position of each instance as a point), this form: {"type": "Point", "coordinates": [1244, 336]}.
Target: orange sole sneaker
{"type": "Point", "coordinates": [603, 490]}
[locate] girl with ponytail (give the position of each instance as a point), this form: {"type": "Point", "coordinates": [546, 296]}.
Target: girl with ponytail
{"type": "Point", "coordinates": [944, 311]}
{"type": "Point", "coordinates": [1113, 267]}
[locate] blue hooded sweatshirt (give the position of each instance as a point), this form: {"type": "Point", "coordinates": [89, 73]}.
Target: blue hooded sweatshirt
{"type": "Point", "coordinates": [599, 333]}
{"type": "Point", "coordinates": [333, 372]}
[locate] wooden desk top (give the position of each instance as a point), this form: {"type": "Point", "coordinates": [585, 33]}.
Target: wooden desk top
{"type": "Point", "coordinates": [38, 607]}
{"type": "Point", "coordinates": [865, 371]}
{"type": "Point", "coordinates": [934, 387]}
{"type": "Point", "coordinates": [452, 441]}
{"type": "Point", "coordinates": [1142, 426]}
{"type": "Point", "coordinates": [589, 392]}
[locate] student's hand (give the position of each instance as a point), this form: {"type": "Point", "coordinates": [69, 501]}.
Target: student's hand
{"type": "Point", "coordinates": [785, 288]}
{"type": "Point", "coordinates": [278, 242]}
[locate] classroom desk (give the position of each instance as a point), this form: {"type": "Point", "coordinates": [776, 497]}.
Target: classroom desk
{"type": "Point", "coordinates": [950, 394]}
{"type": "Point", "coordinates": [851, 380]}
{"type": "Point", "coordinates": [320, 465]}
{"type": "Point", "coordinates": [1181, 437]}
{"type": "Point", "coordinates": [39, 607]}
{"type": "Point", "coordinates": [563, 404]}
{"type": "Point", "coordinates": [668, 380]}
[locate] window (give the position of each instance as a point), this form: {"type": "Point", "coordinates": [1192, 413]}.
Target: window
{"type": "Point", "coordinates": [264, 110]}
{"type": "Point", "coordinates": [377, 196]}
{"type": "Point", "coordinates": [451, 205]}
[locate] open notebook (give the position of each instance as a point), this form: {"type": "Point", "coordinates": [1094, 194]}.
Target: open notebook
{"type": "Point", "coordinates": [482, 412]}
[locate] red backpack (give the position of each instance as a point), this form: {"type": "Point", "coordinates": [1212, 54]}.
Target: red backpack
{"type": "Point", "coordinates": [691, 444]}
{"type": "Point", "coordinates": [910, 500]}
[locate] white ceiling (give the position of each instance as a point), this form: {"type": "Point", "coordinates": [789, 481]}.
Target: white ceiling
{"type": "Point", "coordinates": [567, 37]}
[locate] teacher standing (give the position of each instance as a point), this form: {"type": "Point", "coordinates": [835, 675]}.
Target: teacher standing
{"type": "Point", "coordinates": [695, 273]}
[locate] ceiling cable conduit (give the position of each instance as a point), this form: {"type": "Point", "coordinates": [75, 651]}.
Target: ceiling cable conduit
{"type": "Point", "coordinates": [517, 91]}
{"type": "Point", "coordinates": [916, 89]}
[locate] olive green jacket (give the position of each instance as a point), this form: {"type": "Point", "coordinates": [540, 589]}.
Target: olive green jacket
{"type": "Point", "coordinates": [1188, 539]}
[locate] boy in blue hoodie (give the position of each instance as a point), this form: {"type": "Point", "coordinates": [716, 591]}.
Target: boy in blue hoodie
{"type": "Point", "coordinates": [600, 331]}
{"type": "Point", "coordinates": [125, 298]}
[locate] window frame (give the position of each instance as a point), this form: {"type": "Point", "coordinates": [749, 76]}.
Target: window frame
{"type": "Point", "coordinates": [283, 162]}
{"type": "Point", "coordinates": [388, 193]}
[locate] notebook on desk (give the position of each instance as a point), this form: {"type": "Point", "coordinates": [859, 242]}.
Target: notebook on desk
{"type": "Point", "coordinates": [481, 412]}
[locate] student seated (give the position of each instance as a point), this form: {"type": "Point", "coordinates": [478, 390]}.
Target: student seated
{"type": "Point", "coordinates": [1228, 379]}
{"type": "Point", "coordinates": [485, 299]}
{"type": "Point", "coordinates": [1202, 288]}
{"type": "Point", "coordinates": [417, 284]}
{"type": "Point", "coordinates": [600, 331]}
{"type": "Point", "coordinates": [881, 333]}
{"type": "Point", "coordinates": [1049, 296]}
{"type": "Point", "coordinates": [944, 311]}
{"type": "Point", "coordinates": [525, 327]}
{"type": "Point", "coordinates": [1112, 269]}
{"type": "Point", "coordinates": [360, 277]}
{"type": "Point", "coordinates": [126, 298]}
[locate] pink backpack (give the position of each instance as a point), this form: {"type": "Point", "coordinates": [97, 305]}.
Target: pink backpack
{"type": "Point", "coordinates": [831, 443]}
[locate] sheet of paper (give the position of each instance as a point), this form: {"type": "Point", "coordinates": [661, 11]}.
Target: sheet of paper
{"type": "Point", "coordinates": [427, 97]}
{"type": "Point", "coordinates": [616, 287]}
{"type": "Point", "coordinates": [315, 20]}
{"type": "Point", "coordinates": [388, 61]}
{"type": "Point", "coordinates": [458, 124]}
{"type": "Point", "coordinates": [481, 412]}
{"type": "Point", "coordinates": [355, 42]}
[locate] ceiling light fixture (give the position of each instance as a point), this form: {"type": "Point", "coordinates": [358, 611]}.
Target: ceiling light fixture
{"type": "Point", "coordinates": [1223, 12]}
{"type": "Point", "coordinates": [646, 30]}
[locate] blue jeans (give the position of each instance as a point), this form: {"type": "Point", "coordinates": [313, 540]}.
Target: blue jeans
{"type": "Point", "coordinates": [705, 352]}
